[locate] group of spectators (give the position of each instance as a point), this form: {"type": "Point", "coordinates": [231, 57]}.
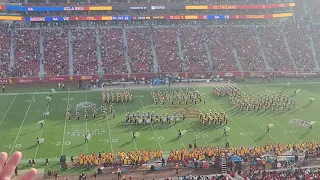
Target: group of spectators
{"type": "Point", "coordinates": [112, 45]}
{"type": "Point", "coordinates": [26, 53]}
{"type": "Point", "coordinates": [5, 40]}
{"type": "Point", "coordinates": [140, 50]}
{"type": "Point", "coordinates": [299, 43]}
{"type": "Point", "coordinates": [275, 49]}
{"type": "Point", "coordinates": [56, 51]}
{"type": "Point", "coordinates": [229, 47]}
{"type": "Point", "coordinates": [167, 50]}
{"type": "Point", "coordinates": [195, 56]}
{"type": "Point", "coordinates": [84, 45]}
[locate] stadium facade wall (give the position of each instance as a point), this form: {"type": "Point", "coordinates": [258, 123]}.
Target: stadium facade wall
{"type": "Point", "coordinates": [196, 75]}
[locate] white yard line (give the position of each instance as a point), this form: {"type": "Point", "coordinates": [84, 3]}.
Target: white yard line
{"type": "Point", "coordinates": [174, 128]}
{"type": "Point", "coordinates": [125, 109]}
{"type": "Point", "coordinates": [261, 127]}
{"type": "Point", "coordinates": [110, 140]}
{"type": "Point", "coordinates": [307, 113]}
{"type": "Point", "coordinates": [179, 138]}
{"type": "Point", "coordinates": [25, 116]}
{"type": "Point", "coordinates": [151, 124]}
{"type": "Point", "coordinates": [35, 155]}
{"type": "Point", "coordinates": [87, 125]}
{"type": "Point", "coordinates": [65, 124]}
{"type": "Point", "coordinates": [197, 128]}
{"type": "Point", "coordinates": [8, 110]}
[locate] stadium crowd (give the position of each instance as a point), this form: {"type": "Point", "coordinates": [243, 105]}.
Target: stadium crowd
{"type": "Point", "coordinates": [56, 51]}
{"type": "Point", "coordinates": [139, 50]}
{"type": "Point", "coordinates": [112, 51]}
{"type": "Point", "coordinates": [226, 45]}
{"type": "Point", "coordinates": [197, 153]}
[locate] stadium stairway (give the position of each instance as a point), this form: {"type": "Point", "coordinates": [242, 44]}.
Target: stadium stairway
{"type": "Point", "coordinates": [125, 49]}
{"type": "Point", "coordinates": [223, 165]}
{"type": "Point", "coordinates": [71, 72]}
{"type": "Point", "coordinates": [236, 57]}
{"type": "Point", "coordinates": [100, 69]}
{"type": "Point", "coordinates": [181, 52]}
{"type": "Point", "coordinates": [288, 49]}
{"type": "Point", "coordinates": [208, 54]}
{"type": "Point", "coordinates": [261, 49]}
{"type": "Point", "coordinates": [313, 51]}
{"type": "Point", "coordinates": [11, 65]}
{"type": "Point", "coordinates": [154, 55]}
{"type": "Point", "coordinates": [41, 60]}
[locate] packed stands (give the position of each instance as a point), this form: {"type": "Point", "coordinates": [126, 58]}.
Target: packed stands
{"type": "Point", "coordinates": [221, 41]}
{"type": "Point", "coordinates": [316, 40]}
{"type": "Point", "coordinates": [56, 51]}
{"type": "Point", "coordinates": [165, 40]}
{"type": "Point", "coordinates": [220, 46]}
{"type": "Point", "coordinates": [313, 10]}
{"type": "Point", "coordinates": [84, 51]}
{"type": "Point", "coordinates": [195, 56]}
{"type": "Point", "coordinates": [274, 48]}
{"type": "Point", "coordinates": [5, 40]}
{"type": "Point", "coordinates": [299, 43]}
{"type": "Point", "coordinates": [112, 50]}
{"type": "Point", "coordinates": [247, 48]}
{"type": "Point", "coordinates": [139, 49]}
{"type": "Point", "coordinates": [27, 52]}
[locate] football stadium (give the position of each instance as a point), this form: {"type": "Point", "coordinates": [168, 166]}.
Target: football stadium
{"type": "Point", "coordinates": [169, 89]}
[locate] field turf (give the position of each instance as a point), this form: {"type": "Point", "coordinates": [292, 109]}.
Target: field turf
{"type": "Point", "coordinates": [20, 113]}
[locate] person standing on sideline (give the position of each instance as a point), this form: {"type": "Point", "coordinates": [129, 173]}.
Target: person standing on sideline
{"type": "Point", "coordinates": [119, 172]}
{"type": "Point", "coordinates": [177, 168]}
{"type": "Point", "coordinates": [3, 88]}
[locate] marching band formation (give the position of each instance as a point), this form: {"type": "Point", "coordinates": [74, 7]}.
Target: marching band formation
{"type": "Point", "coordinates": [247, 102]}
{"type": "Point", "coordinates": [177, 97]}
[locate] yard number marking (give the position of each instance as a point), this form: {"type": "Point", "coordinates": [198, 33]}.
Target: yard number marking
{"type": "Point", "coordinates": [107, 140]}
{"type": "Point", "coordinates": [16, 146]}
{"type": "Point", "coordinates": [60, 143]}
{"type": "Point", "coordinates": [246, 134]}
{"type": "Point", "coordinates": [66, 99]}
{"type": "Point", "coordinates": [30, 100]}
{"type": "Point", "coordinates": [289, 131]}
{"type": "Point", "coordinates": [161, 138]}
{"type": "Point", "coordinates": [203, 135]}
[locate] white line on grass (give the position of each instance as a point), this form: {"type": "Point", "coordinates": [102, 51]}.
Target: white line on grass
{"type": "Point", "coordinates": [308, 114]}
{"type": "Point", "coordinates": [110, 140]}
{"type": "Point", "coordinates": [35, 155]}
{"type": "Point", "coordinates": [241, 128]}
{"type": "Point", "coordinates": [176, 132]}
{"type": "Point", "coordinates": [179, 138]}
{"type": "Point", "coordinates": [260, 126]}
{"type": "Point", "coordinates": [8, 110]}
{"type": "Point", "coordinates": [151, 124]}
{"type": "Point", "coordinates": [135, 144]}
{"type": "Point", "coordinates": [65, 124]}
{"type": "Point", "coordinates": [196, 126]}
{"type": "Point", "coordinates": [86, 124]}
{"type": "Point", "coordinates": [25, 116]}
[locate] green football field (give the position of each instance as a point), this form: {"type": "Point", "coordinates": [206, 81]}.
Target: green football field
{"type": "Point", "coordinates": [21, 112]}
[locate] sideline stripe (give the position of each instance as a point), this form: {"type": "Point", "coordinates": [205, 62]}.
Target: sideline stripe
{"type": "Point", "coordinates": [25, 116]}
{"type": "Point", "coordinates": [8, 110]}
{"type": "Point", "coordinates": [65, 125]}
